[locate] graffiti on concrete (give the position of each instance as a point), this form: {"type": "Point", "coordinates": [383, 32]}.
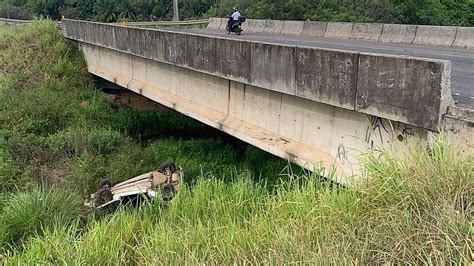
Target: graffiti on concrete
{"type": "Point", "coordinates": [375, 131]}
{"type": "Point", "coordinates": [342, 155]}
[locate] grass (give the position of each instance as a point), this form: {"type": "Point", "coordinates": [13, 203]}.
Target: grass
{"type": "Point", "coordinates": [397, 219]}
{"type": "Point", "coordinates": [59, 137]}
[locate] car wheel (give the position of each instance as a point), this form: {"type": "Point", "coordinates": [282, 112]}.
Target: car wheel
{"type": "Point", "coordinates": [167, 165]}
{"type": "Point", "coordinates": [103, 196]}
{"type": "Point", "coordinates": [167, 192]}
{"type": "Point", "coordinates": [106, 183]}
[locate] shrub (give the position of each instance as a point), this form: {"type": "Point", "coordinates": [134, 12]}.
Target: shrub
{"type": "Point", "coordinates": [28, 213]}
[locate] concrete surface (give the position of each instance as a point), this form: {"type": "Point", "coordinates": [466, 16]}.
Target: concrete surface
{"type": "Point", "coordinates": [255, 25]}
{"type": "Point", "coordinates": [398, 33]}
{"type": "Point", "coordinates": [214, 23]}
{"type": "Point", "coordinates": [5, 22]}
{"type": "Point", "coordinates": [223, 24]}
{"type": "Point", "coordinates": [292, 27]}
{"type": "Point", "coordinates": [234, 61]}
{"type": "Point", "coordinates": [175, 48]}
{"type": "Point", "coordinates": [122, 38]}
{"type": "Point", "coordinates": [314, 29]}
{"type": "Point", "coordinates": [308, 133]}
{"type": "Point", "coordinates": [156, 45]}
{"type": "Point", "coordinates": [273, 67]}
{"type": "Point", "coordinates": [462, 75]}
{"type": "Point", "coordinates": [200, 53]}
{"type": "Point", "coordinates": [435, 35]}
{"type": "Point", "coordinates": [327, 76]}
{"type": "Point", "coordinates": [464, 38]}
{"type": "Point", "coordinates": [419, 98]}
{"type": "Point", "coordinates": [273, 26]}
{"type": "Point", "coordinates": [367, 31]}
{"type": "Point", "coordinates": [301, 128]}
{"type": "Point", "coordinates": [341, 30]}
{"type": "Point", "coordinates": [459, 124]}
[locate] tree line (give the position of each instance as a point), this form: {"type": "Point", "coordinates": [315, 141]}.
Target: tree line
{"type": "Point", "coordinates": [428, 12]}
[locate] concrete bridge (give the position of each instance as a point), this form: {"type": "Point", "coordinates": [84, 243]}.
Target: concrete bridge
{"type": "Point", "coordinates": [316, 101]}
{"type": "Point", "coordinates": [5, 22]}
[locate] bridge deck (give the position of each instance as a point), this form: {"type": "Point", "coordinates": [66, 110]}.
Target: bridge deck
{"type": "Point", "coordinates": [462, 60]}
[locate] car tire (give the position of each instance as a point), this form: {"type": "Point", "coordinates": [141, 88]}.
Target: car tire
{"type": "Point", "coordinates": [106, 183]}
{"type": "Point", "coordinates": [103, 196]}
{"type": "Point", "coordinates": [165, 165]}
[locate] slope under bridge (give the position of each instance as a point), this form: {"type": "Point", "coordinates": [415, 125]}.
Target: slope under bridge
{"type": "Point", "coordinates": [317, 101]}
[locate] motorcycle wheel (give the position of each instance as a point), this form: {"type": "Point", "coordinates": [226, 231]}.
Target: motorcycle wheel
{"type": "Point", "coordinates": [239, 32]}
{"type": "Point", "coordinates": [227, 30]}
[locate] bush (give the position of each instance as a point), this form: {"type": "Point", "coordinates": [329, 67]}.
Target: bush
{"type": "Point", "coordinates": [29, 213]}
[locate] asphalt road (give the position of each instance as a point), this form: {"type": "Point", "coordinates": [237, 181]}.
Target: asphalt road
{"type": "Point", "coordinates": [462, 76]}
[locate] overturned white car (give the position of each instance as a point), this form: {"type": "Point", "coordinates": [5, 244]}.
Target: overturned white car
{"type": "Point", "coordinates": [162, 182]}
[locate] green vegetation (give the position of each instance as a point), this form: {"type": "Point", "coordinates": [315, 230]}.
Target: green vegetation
{"type": "Point", "coordinates": [430, 12]}
{"type": "Point", "coordinates": [59, 137]}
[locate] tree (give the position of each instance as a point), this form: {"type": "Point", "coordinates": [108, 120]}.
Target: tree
{"type": "Point", "coordinates": [47, 8]}
{"type": "Point", "coordinates": [127, 10]}
{"type": "Point", "coordinates": [145, 9]}
{"type": "Point", "coordinates": [105, 11]}
{"type": "Point", "coordinates": [78, 9]}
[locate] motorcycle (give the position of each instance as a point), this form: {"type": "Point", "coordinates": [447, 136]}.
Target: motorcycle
{"type": "Point", "coordinates": [235, 26]}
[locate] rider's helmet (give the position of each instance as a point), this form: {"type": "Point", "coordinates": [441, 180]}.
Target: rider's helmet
{"type": "Point", "coordinates": [236, 9]}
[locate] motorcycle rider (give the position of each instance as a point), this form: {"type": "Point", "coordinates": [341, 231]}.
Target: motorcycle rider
{"type": "Point", "coordinates": [233, 18]}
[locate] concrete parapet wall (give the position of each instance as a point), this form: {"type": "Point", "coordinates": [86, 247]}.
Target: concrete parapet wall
{"type": "Point", "coordinates": [464, 38]}
{"type": "Point", "coordinates": [234, 60]}
{"type": "Point", "coordinates": [367, 31]}
{"type": "Point", "coordinates": [255, 25]}
{"type": "Point", "coordinates": [435, 35]}
{"type": "Point", "coordinates": [12, 22]}
{"type": "Point", "coordinates": [273, 26]}
{"type": "Point", "coordinates": [200, 53]}
{"type": "Point", "coordinates": [122, 38]}
{"type": "Point", "coordinates": [273, 67]}
{"type": "Point", "coordinates": [223, 24]}
{"type": "Point", "coordinates": [314, 29]}
{"type": "Point", "coordinates": [175, 49]}
{"type": "Point", "coordinates": [341, 30]}
{"type": "Point", "coordinates": [410, 90]}
{"type": "Point", "coordinates": [155, 42]}
{"type": "Point", "coordinates": [398, 33]}
{"type": "Point", "coordinates": [446, 36]}
{"type": "Point", "coordinates": [292, 27]}
{"type": "Point", "coordinates": [327, 76]}
{"type": "Point", "coordinates": [215, 23]}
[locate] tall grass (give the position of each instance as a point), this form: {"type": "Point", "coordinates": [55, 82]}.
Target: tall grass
{"type": "Point", "coordinates": [417, 210]}
{"type": "Point", "coordinates": [26, 214]}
